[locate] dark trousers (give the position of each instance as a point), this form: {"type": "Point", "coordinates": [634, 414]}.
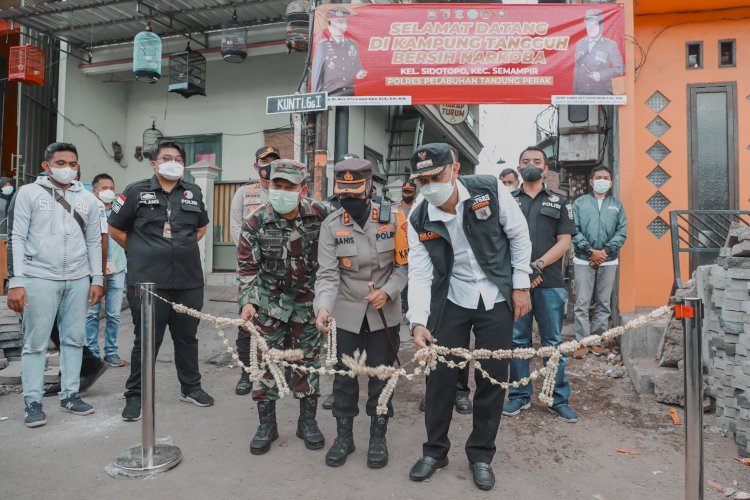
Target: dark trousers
{"type": "Point", "coordinates": [492, 330]}
{"type": "Point", "coordinates": [379, 352]}
{"type": "Point", "coordinates": [184, 330]}
{"type": "Point", "coordinates": [243, 345]}
{"type": "Point", "coordinates": [90, 361]}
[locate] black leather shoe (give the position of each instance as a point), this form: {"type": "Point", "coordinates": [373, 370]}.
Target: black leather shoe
{"type": "Point", "coordinates": [244, 385]}
{"type": "Point", "coordinates": [463, 403]}
{"type": "Point", "coordinates": [426, 467]}
{"type": "Point", "coordinates": [484, 478]}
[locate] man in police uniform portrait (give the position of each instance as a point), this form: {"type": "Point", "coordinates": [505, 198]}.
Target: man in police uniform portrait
{"type": "Point", "coordinates": [336, 63]}
{"type": "Point", "coordinates": [551, 226]}
{"type": "Point", "coordinates": [159, 221]}
{"type": "Point", "coordinates": [277, 258]}
{"type": "Point", "coordinates": [598, 59]}
{"type": "Point", "coordinates": [362, 272]}
{"type": "Point", "coordinates": [246, 199]}
{"type": "Point", "coordinates": [469, 254]}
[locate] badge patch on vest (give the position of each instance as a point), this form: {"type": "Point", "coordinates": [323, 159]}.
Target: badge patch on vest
{"type": "Point", "coordinates": [428, 235]}
{"type": "Point", "coordinates": [346, 262]}
{"type": "Point", "coordinates": [570, 211]}
{"type": "Point", "coordinates": [343, 232]}
{"type": "Point", "coordinates": [385, 228]}
{"type": "Point", "coordinates": [375, 214]}
{"type": "Point", "coordinates": [347, 218]}
{"type": "Point", "coordinates": [481, 207]}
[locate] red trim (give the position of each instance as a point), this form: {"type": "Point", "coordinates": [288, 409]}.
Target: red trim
{"type": "Point", "coordinates": [682, 312]}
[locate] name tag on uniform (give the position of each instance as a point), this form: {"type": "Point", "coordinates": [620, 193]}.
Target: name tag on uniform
{"type": "Point", "coordinates": [429, 235]}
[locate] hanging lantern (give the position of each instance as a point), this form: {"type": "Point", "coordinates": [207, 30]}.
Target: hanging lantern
{"type": "Point", "coordinates": [147, 56]}
{"type": "Point", "coordinates": [150, 137]}
{"type": "Point", "coordinates": [234, 41]}
{"type": "Point", "coordinates": [187, 73]}
{"type": "Point", "coordinates": [297, 26]}
{"type": "Point", "coordinates": [26, 65]}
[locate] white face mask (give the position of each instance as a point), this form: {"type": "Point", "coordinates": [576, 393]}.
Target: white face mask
{"type": "Point", "coordinates": [171, 170]}
{"type": "Point", "coordinates": [8, 190]}
{"type": "Point", "coordinates": [437, 193]}
{"type": "Point", "coordinates": [511, 188]}
{"type": "Point", "coordinates": [64, 175]}
{"type": "Point", "coordinates": [107, 196]}
{"type": "Point", "coordinates": [601, 186]}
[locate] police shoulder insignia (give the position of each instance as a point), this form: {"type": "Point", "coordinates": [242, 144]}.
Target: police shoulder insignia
{"type": "Point", "coordinates": [188, 194]}
{"type": "Point", "coordinates": [375, 214]}
{"type": "Point", "coordinates": [347, 218]}
{"type": "Point", "coordinates": [553, 198]}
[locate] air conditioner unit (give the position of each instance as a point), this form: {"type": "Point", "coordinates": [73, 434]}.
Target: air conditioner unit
{"type": "Point", "coordinates": [580, 119]}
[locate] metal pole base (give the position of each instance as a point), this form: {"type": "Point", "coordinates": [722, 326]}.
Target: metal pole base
{"type": "Point", "coordinates": [131, 461]}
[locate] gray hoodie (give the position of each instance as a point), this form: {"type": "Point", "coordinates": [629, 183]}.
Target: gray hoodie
{"type": "Point", "coordinates": [45, 239]}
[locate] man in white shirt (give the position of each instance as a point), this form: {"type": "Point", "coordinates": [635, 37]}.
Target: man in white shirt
{"type": "Point", "coordinates": [469, 254]}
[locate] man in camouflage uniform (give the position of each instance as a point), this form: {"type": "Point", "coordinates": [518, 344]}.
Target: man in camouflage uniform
{"type": "Point", "coordinates": [246, 199]}
{"type": "Point", "coordinates": [278, 258]}
{"type": "Point", "coordinates": [598, 59]}
{"type": "Point", "coordinates": [336, 63]}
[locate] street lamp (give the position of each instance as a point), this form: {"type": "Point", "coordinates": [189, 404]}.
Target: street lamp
{"type": "Point", "coordinates": [500, 161]}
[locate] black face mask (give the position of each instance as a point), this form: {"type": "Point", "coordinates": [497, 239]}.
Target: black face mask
{"type": "Point", "coordinates": [531, 173]}
{"type": "Point", "coordinates": [407, 199]}
{"type": "Point", "coordinates": [359, 209]}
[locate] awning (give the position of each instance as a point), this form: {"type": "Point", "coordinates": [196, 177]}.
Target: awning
{"type": "Point", "coordinates": [88, 24]}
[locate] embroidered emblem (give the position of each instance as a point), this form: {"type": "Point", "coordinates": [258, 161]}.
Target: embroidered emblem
{"type": "Point", "coordinates": [347, 218]}
{"type": "Point", "coordinates": [346, 262]}
{"type": "Point", "coordinates": [343, 232]}
{"type": "Point", "coordinates": [422, 155]}
{"type": "Point", "coordinates": [385, 228]}
{"type": "Point", "coordinates": [554, 198]}
{"type": "Point", "coordinates": [348, 176]}
{"type": "Point", "coordinates": [149, 195]}
{"type": "Point", "coordinates": [429, 235]}
{"type": "Point", "coordinates": [375, 214]}
{"type": "Point", "coordinates": [188, 194]}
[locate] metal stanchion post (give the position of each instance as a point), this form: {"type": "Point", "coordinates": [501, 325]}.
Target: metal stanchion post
{"type": "Point", "coordinates": [690, 310]}
{"type": "Point", "coordinates": [149, 457]}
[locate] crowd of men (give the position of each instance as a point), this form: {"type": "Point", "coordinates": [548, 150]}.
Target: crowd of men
{"type": "Point", "coordinates": [480, 254]}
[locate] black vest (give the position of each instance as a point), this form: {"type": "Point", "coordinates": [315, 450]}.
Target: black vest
{"type": "Point", "coordinates": [485, 235]}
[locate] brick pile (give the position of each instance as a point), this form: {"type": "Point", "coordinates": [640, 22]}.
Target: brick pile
{"type": "Point", "coordinates": [725, 290]}
{"type": "Point", "coordinates": [11, 338]}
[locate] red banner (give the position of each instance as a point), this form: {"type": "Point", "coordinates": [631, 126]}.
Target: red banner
{"type": "Point", "coordinates": [469, 53]}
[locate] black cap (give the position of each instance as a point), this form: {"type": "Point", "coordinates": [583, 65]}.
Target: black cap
{"type": "Point", "coordinates": [352, 176]}
{"type": "Point", "coordinates": [430, 159]}
{"type": "Point", "coordinates": [265, 151]}
{"type": "Point", "coordinates": [338, 13]}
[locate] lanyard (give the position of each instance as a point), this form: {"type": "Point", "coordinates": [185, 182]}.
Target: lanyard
{"type": "Point", "coordinates": [169, 206]}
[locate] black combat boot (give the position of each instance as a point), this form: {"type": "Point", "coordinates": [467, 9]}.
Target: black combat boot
{"type": "Point", "coordinates": [267, 431]}
{"type": "Point", "coordinates": [343, 446]}
{"type": "Point", "coordinates": [377, 453]}
{"type": "Point", "coordinates": [307, 427]}
{"type": "Point", "coordinates": [245, 385]}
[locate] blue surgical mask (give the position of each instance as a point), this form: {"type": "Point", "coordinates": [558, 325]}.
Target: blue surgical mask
{"type": "Point", "coordinates": [7, 190]}
{"type": "Point", "coordinates": [601, 186]}
{"type": "Point", "coordinates": [283, 201]}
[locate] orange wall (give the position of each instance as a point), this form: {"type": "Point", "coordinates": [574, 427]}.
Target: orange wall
{"type": "Point", "coordinates": [647, 266]}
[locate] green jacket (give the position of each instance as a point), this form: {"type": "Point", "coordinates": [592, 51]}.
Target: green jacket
{"type": "Point", "coordinates": [599, 229]}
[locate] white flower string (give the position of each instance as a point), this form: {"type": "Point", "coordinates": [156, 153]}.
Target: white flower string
{"type": "Point", "coordinates": [266, 360]}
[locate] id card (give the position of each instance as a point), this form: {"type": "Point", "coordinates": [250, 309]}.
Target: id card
{"type": "Point", "coordinates": [167, 233]}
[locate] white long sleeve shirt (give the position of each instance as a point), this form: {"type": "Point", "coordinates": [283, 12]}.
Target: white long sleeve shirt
{"type": "Point", "coordinates": [468, 283]}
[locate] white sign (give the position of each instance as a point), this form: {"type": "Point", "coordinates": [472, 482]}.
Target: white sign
{"type": "Point", "coordinates": [374, 100]}
{"type": "Point", "coordinates": [454, 113]}
{"type": "Point", "coordinates": [615, 100]}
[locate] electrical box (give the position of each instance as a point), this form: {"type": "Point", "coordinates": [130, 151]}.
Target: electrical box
{"type": "Point", "coordinates": [580, 119]}
{"type": "Point", "coordinates": [580, 148]}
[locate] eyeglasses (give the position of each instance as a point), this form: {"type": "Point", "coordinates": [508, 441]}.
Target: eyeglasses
{"type": "Point", "coordinates": [167, 158]}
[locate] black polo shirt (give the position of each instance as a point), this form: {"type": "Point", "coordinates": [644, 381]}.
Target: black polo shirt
{"type": "Point", "coordinates": [549, 214]}
{"type": "Point", "coordinates": [141, 211]}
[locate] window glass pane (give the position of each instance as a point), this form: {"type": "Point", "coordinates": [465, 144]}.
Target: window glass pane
{"type": "Point", "coordinates": [694, 55]}
{"type": "Point", "coordinates": [712, 157]}
{"type": "Point", "coordinates": [726, 53]}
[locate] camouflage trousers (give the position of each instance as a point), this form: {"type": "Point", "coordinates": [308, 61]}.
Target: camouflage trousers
{"type": "Point", "coordinates": [294, 334]}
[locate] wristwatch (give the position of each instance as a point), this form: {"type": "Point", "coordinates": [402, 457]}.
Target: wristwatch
{"type": "Point", "coordinates": [412, 326]}
{"type": "Point", "coordinates": [540, 264]}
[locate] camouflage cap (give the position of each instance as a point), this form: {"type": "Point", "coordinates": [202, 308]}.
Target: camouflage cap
{"type": "Point", "coordinates": [430, 159]}
{"type": "Point", "coordinates": [293, 171]}
{"type": "Point", "coordinates": [338, 13]}
{"type": "Point", "coordinates": [595, 14]}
